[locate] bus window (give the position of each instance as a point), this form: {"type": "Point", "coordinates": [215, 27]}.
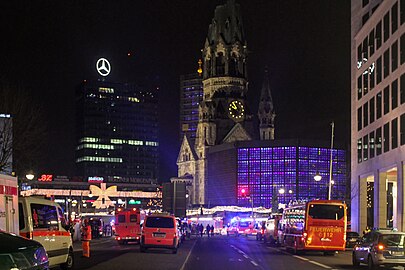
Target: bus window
{"type": "Point", "coordinates": [324, 211]}
{"type": "Point", "coordinates": [121, 219]}
{"type": "Point", "coordinates": [132, 218]}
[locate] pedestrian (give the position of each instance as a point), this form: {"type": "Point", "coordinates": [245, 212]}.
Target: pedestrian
{"type": "Point", "coordinates": [201, 230]}
{"type": "Point", "coordinates": [212, 230]}
{"type": "Point", "coordinates": [208, 228]}
{"type": "Point", "coordinates": [86, 237]}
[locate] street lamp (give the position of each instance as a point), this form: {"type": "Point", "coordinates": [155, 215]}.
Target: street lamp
{"type": "Point", "coordinates": [29, 176]}
{"type": "Point", "coordinates": [330, 162]}
{"type": "Point", "coordinates": [317, 177]}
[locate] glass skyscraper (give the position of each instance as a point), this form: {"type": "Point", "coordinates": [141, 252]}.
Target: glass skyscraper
{"type": "Point", "coordinates": [117, 132]}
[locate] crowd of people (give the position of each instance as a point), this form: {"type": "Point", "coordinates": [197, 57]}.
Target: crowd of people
{"type": "Point", "coordinates": [199, 230]}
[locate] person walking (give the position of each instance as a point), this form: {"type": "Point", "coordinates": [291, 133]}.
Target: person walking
{"type": "Point", "coordinates": [208, 228]}
{"type": "Point", "coordinates": [212, 230]}
{"type": "Point", "coordinates": [201, 230]}
{"type": "Point", "coordinates": [86, 237]}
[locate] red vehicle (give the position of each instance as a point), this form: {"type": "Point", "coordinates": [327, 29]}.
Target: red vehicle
{"type": "Point", "coordinates": [318, 225]}
{"type": "Point", "coordinates": [128, 225]}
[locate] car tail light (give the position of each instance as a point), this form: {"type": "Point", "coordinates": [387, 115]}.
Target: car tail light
{"type": "Point", "coordinates": [118, 238]}
{"type": "Point", "coordinates": [381, 247]}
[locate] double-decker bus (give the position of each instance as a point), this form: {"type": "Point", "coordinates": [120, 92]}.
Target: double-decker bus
{"type": "Point", "coordinates": [318, 225]}
{"type": "Point", "coordinates": [128, 225]}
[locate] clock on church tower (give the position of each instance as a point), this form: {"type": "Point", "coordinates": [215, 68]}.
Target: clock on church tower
{"type": "Point", "coordinates": [236, 110]}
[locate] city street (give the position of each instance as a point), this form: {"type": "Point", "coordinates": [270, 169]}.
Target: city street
{"type": "Point", "coordinates": [219, 252]}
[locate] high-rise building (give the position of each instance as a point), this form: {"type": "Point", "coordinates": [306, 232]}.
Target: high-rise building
{"type": "Point", "coordinates": [117, 132]}
{"type": "Point", "coordinates": [6, 143]}
{"type": "Point", "coordinates": [191, 93]}
{"type": "Point", "coordinates": [377, 114]}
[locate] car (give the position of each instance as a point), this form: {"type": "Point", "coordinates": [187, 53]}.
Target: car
{"type": "Point", "coordinates": [160, 231]}
{"type": "Point", "coordinates": [351, 239]}
{"type": "Point", "coordinates": [380, 248]}
{"type": "Point", "coordinates": [21, 253]}
{"type": "Point", "coordinates": [232, 230]}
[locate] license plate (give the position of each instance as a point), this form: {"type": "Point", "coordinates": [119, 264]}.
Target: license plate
{"type": "Point", "coordinates": [397, 253]}
{"type": "Point", "coordinates": [159, 235]}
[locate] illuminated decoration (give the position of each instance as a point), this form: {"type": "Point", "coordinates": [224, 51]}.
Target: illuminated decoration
{"type": "Point", "coordinates": [106, 90]}
{"type": "Point", "coordinates": [236, 110]}
{"type": "Point", "coordinates": [81, 193]}
{"type": "Point", "coordinates": [133, 99]}
{"type": "Point", "coordinates": [104, 194]}
{"type": "Point", "coordinates": [99, 159]}
{"type": "Point", "coordinates": [264, 171]}
{"type": "Point", "coordinates": [2, 115]}
{"type": "Point", "coordinates": [45, 178]}
{"type": "Point", "coordinates": [103, 67]}
{"type": "Point", "coordinates": [199, 70]}
{"type": "Point", "coordinates": [95, 179]}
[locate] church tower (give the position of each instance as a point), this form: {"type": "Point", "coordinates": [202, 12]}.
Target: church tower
{"type": "Point", "coordinates": [266, 112]}
{"type": "Point", "coordinates": [224, 115]}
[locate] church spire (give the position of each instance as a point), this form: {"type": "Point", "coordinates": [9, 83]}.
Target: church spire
{"type": "Point", "coordinates": [266, 110]}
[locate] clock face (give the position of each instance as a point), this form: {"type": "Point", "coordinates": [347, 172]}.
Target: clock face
{"type": "Point", "coordinates": [236, 110]}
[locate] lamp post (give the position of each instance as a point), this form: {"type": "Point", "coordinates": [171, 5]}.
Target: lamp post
{"type": "Point", "coordinates": [330, 165]}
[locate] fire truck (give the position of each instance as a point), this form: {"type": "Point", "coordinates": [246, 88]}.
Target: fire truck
{"type": "Point", "coordinates": [8, 204]}
{"type": "Point", "coordinates": [128, 225]}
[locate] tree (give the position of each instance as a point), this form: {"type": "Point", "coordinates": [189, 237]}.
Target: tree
{"type": "Point", "coordinates": [20, 138]}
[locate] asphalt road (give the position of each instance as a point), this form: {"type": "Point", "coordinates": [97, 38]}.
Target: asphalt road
{"type": "Point", "coordinates": [218, 252]}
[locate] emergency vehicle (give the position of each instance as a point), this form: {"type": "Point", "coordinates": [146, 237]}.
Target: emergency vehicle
{"type": "Point", "coordinates": [128, 225]}
{"type": "Point", "coordinates": [43, 221]}
{"type": "Point", "coordinates": [8, 204]}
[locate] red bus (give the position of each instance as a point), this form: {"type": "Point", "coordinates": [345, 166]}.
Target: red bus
{"type": "Point", "coordinates": [318, 225]}
{"type": "Point", "coordinates": [128, 225]}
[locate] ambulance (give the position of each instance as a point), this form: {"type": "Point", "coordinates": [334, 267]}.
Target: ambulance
{"type": "Point", "coordinates": [128, 225]}
{"type": "Point", "coordinates": [43, 221]}
{"type": "Point", "coordinates": [8, 204]}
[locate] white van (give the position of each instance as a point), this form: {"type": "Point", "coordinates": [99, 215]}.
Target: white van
{"type": "Point", "coordinates": [42, 220]}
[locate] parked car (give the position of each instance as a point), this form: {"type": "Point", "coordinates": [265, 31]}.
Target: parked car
{"type": "Point", "coordinates": [160, 231]}
{"type": "Point", "coordinates": [380, 247]}
{"type": "Point", "coordinates": [21, 253]}
{"type": "Point", "coordinates": [351, 239]}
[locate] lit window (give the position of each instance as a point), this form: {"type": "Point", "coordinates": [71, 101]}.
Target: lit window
{"type": "Point", "coordinates": [133, 99]}
{"type": "Point", "coordinates": [106, 90]}
{"type": "Point", "coordinates": [89, 139]}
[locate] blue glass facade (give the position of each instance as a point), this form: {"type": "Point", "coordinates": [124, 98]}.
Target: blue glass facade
{"type": "Point", "coordinates": [263, 171]}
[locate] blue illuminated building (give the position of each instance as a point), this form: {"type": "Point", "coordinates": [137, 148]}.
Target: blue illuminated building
{"type": "Point", "coordinates": [262, 168]}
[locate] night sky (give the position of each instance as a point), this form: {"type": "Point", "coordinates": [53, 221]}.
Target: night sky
{"type": "Point", "coordinates": [49, 47]}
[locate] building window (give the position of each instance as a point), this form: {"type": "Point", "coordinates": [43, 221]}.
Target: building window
{"type": "Point", "coordinates": [365, 49]}
{"type": "Point", "coordinates": [402, 129]}
{"type": "Point", "coordinates": [359, 56]}
{"type": "Point", "coordinates": [365, 3]}
{"type": "Point", "coordinates": [359, 87]}
{"type": "Point", "coordinates": [386, 137]}
{"type": "Point", "coordinates": [394, 94]}
{"type": "Point", "coordinates": [359, 123]}
{"type": "Point", "coordinates": [379, 70]}
{"type": "Point", "coordinates": [386, 63]}
{"type": "Point", "coordinates": [379, 105]}
{"type": "Point", "coordinates": [359, 152]}
{"type": "Point", "coordinates": [372, 77]}
{"type": "Point", "coordinates": [365, 18]}
{"type": "Point", "coordinates": [386, 26]}
{"type": "Point", "coordinates": [371, 144]}
{"type": "Point", "coordinates": [402, 89]}
{"type": "Point", "coordinates": [365, 115]}
{"type": "Point", "coordinates": [394, 18]}
{"type": "Point", "coordinates": [386, 99]}
{"type": "Point", "coordinates": [402, 11]}
{"type": "Point", "coordinates": [394, 56]}
{"type": "Point", "coordinates": [394, 133]}
{"type": "Point", "coordinates": [378, 35]}
{"type": "Point", "coordinates": [371, 42]}
{"type": "Point", "coordinates": [365, 83]}
{"type": "Point", "coordinates": [372, 109]}
{"type": "Point", "coordinates": [378, 141]}
{"type": "Point", "coordinates": [365, 148]}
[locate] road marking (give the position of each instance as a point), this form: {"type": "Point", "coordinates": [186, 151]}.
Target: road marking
{"type": "Point", "coordinates": [313, 262]}
{"type": "Point", "coordinates": [246, 256]}
{"type": "Point", "coordinates": [254, 263]}
{"type": "Point", "coordinates": [189, 253]}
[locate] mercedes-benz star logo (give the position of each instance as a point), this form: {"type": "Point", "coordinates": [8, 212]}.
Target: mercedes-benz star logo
{"type": "Point", "coordinates": [103, 67]}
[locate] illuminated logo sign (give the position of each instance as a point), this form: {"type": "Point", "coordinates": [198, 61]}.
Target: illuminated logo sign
{"type": "Point", "coordinates": [46, 178]}
{"type": "Point", "coordinates": [103, 67]}
{"type": "Point", "coordinates": [95, 179]}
